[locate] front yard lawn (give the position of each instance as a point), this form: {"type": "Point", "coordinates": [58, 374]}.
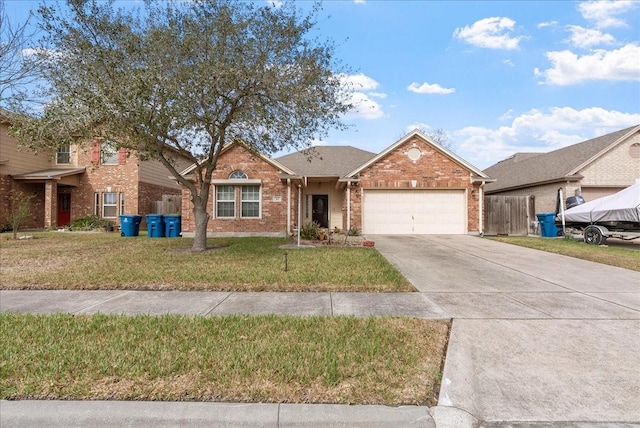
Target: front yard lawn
{"type": "Point", "coordinates": [346, 360]}
{"type": "Point", "coordinates": [70, 260]}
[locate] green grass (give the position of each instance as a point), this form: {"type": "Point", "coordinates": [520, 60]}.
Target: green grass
{"type": "Point", "coordinates": [614, 256]}
{"type": "Point", "coordinates": [389, 361]}
{"type": "Point", "coordinates": [53, 260]}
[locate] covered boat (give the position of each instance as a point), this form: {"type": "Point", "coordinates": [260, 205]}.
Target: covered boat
{"type": "Point", "coordinates": [613, 215]}
{"type": "Point", "coordinates": [623, 206]}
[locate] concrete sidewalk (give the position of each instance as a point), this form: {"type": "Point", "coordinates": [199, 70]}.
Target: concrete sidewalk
{"type": "Point", "coordinates": [144, 414]}
{"type": "Point", "coordinates": [210, 303]}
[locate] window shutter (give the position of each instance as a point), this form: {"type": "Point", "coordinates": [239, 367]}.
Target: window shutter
{"type": "Point", "coordinates": [95, 154]}
{"type": "Point", "coordinates": [122, 156]}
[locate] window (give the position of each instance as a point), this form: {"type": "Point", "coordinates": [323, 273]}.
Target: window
{"type": "Point", "coordinates": [238, 175]}
{"type": "Point", "coordinates": [250, 198]}
{"type": "Point", "coordinates": [121, 202]}
{"type": "Point", "coordinates": [225, 201]}
{"type": "Point", "coordinates": [109, 205]}
{"type": "Point", "coordinates": [108, 153]}
{"type": "Point", "coordinates": [63, 155]}
{"type": "Point", "coordinates": [238, 197]}
{"type": "Point", "coordinates": [96, 203]}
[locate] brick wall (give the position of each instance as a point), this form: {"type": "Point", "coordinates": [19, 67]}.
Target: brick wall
{"type": "Point", "coordinates": [432, 170]}
{"type": "Point", "coordinates": [273, 197]}
{"type": "Point", "coordinates": [615, 168]}
{"type": "Point", "coordinates": [122, 178]}
{"type": "Point", "coordinates": [36, 220]}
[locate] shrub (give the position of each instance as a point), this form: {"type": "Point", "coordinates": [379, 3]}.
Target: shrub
{"type": "Point", "coordinates": [19, 210]}
{"type": "Point", "coordinates": [354, 231]}
{"type": "Point", "coordinates": [310, 230]}
{"type": "Point", "coordinates": [91, 222]}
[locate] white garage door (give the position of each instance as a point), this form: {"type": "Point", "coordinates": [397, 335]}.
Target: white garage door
{"type": "Point", "coordinates": [420, 212]}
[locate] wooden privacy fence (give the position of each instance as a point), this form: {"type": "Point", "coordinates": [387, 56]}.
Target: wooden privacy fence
{"type": "Point", "coordinates": [170, 204]}
{"type": "Point", "coordinates": [508, 215]}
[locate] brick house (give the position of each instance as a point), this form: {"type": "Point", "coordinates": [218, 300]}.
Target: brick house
{"type": "Point", "coordinates": [592, 169]}
{"type": "Point", "coordinates": [74, 182]}
{"type": "Point", "coordinates": [414, 186]}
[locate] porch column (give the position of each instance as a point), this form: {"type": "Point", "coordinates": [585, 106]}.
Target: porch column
{"type": "Point", "coordinates": [50, 204]}
{"type": "Point", "coordinates": [288, 207]}
{"type": "Point", "coordinates": [348, 206]}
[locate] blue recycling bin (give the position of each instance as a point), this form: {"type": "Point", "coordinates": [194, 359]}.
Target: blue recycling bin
{"type": "Point", "coordinates": [172, 226]}
{"type": "Point", "coordinates": [130, 225]}
{"type": "Point", "coordinates": [548, 228]}
{"type": "Point", "coordinates": [155, 226]}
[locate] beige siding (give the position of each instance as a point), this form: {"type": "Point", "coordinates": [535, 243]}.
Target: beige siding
{"type": "Point", "coordinates": [616, 168]}
{"type": "Point", "coordinates": [155, 173]}
{"type": "Point", "coordinates": [335, 202]}
{"type": "Point", "coordinates": [545, 196]}
{"type": "Point", "coordinates": [20, 160]}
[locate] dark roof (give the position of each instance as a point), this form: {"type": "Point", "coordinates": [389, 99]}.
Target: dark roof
{"type": "Point", "coordinates": [526, 169]}
{"type": "Point", "coordinates": [325, 161]}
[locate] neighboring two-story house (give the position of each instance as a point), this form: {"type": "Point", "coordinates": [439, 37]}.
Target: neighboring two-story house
{"type": "Point", "coordinates": [74, 182]}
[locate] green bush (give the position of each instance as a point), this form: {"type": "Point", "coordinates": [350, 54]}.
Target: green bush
{"type": "Point", "coordinates": [91, 222]}
{"type": "Point", "coordinates": [310, 230]}
{"type": "Point", "coordinates": [354, 231]}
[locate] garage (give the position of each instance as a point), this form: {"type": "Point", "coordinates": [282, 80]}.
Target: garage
{"type": "Point", "coordinates": [414, 212]}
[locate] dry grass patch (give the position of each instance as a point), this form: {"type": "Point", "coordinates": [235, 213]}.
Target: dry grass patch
{"type": "Point", "coordinates": [391, 361]}
{"type": "Point", "coordinates": [614, 256]}
{"type": "Point", "coordinates": [55, 260]}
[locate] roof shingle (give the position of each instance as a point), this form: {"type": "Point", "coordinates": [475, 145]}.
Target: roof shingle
{"type": "Point", "coordinates": [525, 169]}
{"type": "Point", "coordinates": [327, 161]}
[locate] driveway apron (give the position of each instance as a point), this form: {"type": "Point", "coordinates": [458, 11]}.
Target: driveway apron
{"type": "Point", "coordinates": [536, 337]}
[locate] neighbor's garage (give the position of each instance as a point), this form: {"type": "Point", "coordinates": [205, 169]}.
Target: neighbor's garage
{"type": "Point", "coordinates": [420, 212]}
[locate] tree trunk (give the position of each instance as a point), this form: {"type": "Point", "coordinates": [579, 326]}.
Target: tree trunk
{"type": "Point", "coordinates": [202, 218]}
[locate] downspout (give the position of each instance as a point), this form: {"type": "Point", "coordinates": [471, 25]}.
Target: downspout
{"type": "Point", "coordinates": [348, 207]}
{"type": "Point", "coordinates": [299, 211]}
{"type": "Point", "coordinates": [481, 213]}
{"type": "Point", "coordinates": [288, 207]}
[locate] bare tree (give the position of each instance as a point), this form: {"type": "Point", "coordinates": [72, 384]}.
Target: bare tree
{"type": "Point", "coordinates": [438, 135]}
{"type": "Point", "coordinates": [19, 210]}
{"type": "Point", "coordinates": [186, 78]}
{"type": "Point", "coordinates": [16, 68]}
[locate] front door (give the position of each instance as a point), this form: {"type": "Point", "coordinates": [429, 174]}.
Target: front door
{"type": "Point", "coordinates": [320, 205]}
{"type": "Point", "coordinates": [64, 209]}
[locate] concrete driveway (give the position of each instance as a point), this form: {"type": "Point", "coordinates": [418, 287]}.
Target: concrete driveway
{"type": "Point", "coordinates": [536, 337]}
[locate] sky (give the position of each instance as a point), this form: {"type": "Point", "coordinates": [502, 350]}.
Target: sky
{"type": "Point", "coordinates": [497, 77]}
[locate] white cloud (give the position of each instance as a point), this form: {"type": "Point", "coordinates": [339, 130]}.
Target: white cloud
{"type": "Point", "coordinates": [547, 24]}
{"type": "Point", "coordinates": [604, 12]}
{"type": "Point", "coordinates": [490, 33]}
{"type": "Point", "coordinates": [508, 62]}
{"type": "Point", "coordinates": [360, 91]}
{"type": "Point", "coordinates": [569, 68]}
{"type": "Point", "coordinates": [377, 94]}
{"type": "Point", "coordinates": [419, 126]}
{"type": "Point", "coordinates": [588, 37]}
{"type": "Point", "coordinates": [539, 131]}
{"type": "Point", "coordinates": [427, 88]}
{"type": "Point", "coordinates": [359, 1]}
{"type": "Point", "coordinates": [359, 82]}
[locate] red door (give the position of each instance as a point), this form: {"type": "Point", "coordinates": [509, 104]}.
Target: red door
{"type": "Point", "coordinates": [64, 209]}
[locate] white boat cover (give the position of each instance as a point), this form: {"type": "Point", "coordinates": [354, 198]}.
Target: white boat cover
{"type": "Point", "coordinates": [621, 206]}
